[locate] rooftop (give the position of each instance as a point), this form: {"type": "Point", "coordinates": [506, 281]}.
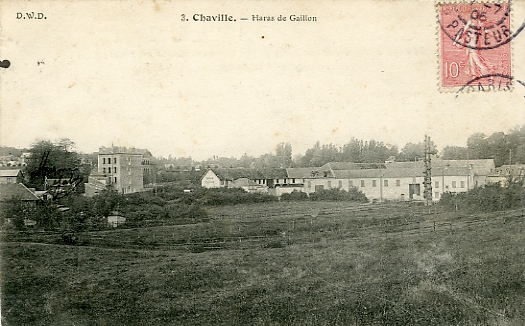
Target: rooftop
{"type": "Point", "coordinates": [16, 190]}
{"type": "Point", "coordinates": [124, 150]}
{"type": "Point", "coordinates": [9, 173]}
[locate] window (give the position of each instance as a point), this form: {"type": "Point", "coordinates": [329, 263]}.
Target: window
{"type": "Point", "coordinates": [115, 179]}
{"type": "Point", "coordinates": [436, 195]}
{"type": "Point", "coordinates": [437, 184]}
{"type": "Point", "coordinates": [115, 169]}
{"type": "Point", "coordinates": [340, 184]}
{"type": "Point", "coordinates": [350, 183]}
{"type": "Point", "coordinates": [453, 184]}
{"type": "Point", "coordinates": [293, 180]}
{"type": "Point", "coordinates": [398, 183]}
{"type": "Point", "coordinates": [385, 182]}
{"type": "Point", "coordinates": [374, 183]}
{"type": "Point", "coordinates": [103, 160]}
{"type": "Point", "coordinates": [115, 160]}
{"type": "Point", "coordinates": [103, 170]}
{"type": "Point", "coordinates": [329, 184]}
{"type": "Point", "coordinates": [462, 184]}
{"type": "Point", "coordinates": [362, 183]}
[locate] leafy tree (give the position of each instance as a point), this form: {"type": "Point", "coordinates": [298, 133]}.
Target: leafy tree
{"type": "Point", "coordinates": [54, 161]}
{"type": "Point", "coordinates": [455, 153]}
{"type": "Point", "coordinates": [414, 152]}
{"type": "Point", "coordinates": [477, 146]}
{"type": "Point", "coordinates": [284, 155]}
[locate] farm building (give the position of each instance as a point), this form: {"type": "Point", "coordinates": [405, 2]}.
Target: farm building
{"type": "Point", "coordinates": [378, 181]}
{"type": "Point", "coordinates": [252, 180]}
{"type": "Point", "coordinates": [17, 191]}
{"type": "Point", "coordinates": [396, 180]}
{"type": "Point", "coordinates": [11, 176]}
{"type": "Point", "coordinates": [506, 173]}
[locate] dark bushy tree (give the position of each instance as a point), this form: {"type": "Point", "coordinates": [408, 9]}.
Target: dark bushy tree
{"type": "Point", "coordinates": [54, 161]}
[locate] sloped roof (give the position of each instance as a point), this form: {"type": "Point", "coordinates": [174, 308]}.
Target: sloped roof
{"type": "Point", "coordinates": [357, 174]}
{"type": "Point", "coordinates": [124, 150]}
{"type": "Point", "coordinates": [9, 173]}
{"type": "Point", "coordinates": [406, 165]}
{"type": "Point", "coordinates": [16, 190]}
{"type": "Point", "coordinates": [252, 174]}
{"type": "Point", "coordinates": [309, 173]}
{"type": "Point", "coordinates": [233, 174]}
{"type": "Point", "coordinates": [339, 166]}
{"type": "Point", "coordinates": [479, 167]}
{"type": "Point", "coordinates": [398, 173]}
{"type": "Point", "coordinates": [274, 173]}
{"type": "Point", "coordinates": [300, 172]}
{"type": "Point", "coordinates": [351, 166]}
{"type": "Point", "coordinates": [245, 182]}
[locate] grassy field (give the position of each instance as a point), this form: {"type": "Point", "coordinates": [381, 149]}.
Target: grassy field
{"type": "Point", "coordinates": [277, 264]}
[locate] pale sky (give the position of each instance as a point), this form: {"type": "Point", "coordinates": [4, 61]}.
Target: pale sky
{"type": "Point", "coordinates": [132, 73]}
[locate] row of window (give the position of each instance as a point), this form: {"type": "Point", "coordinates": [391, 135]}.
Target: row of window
{"type": "Point", "coordinates": [107, 160]}
{"type": "Point", "coordinates": [454, 184]}
{"type": "Point", "coordinates": [398, 183]}
{"type": "Point", "coordinates": [109, 170]}
{"type": "Point", "coordinates": [385, 183]}
{"type": "Point", "coordinates": [374, 183]}
{"type": "Point", "coordinates": [283, 180]}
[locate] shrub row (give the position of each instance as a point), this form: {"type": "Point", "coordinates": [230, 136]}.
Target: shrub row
{"type": "Point", "coordinates": [333, 194]}
{"type": "Point", "coordinates": [489, 198]}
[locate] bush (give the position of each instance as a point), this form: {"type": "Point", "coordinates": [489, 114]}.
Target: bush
{"type": "Point", "coordinates": [334, 194]}
{"type": "Point", "coordinates": [294, 196]}
{"type": "Point", "coordinates": [221, 196]}
{"type": "Point", "coordinates": [489, 198]}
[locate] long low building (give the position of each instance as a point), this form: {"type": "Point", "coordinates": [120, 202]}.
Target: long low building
{"type": "Point", "coordinates": [390, 181]}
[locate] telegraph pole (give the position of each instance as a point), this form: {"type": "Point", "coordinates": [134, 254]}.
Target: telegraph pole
{"type": "Point", "coordinates": [428, 171]}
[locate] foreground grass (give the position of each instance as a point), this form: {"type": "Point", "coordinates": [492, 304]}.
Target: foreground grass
{"type": "Point", "coordinates": [465, 276]}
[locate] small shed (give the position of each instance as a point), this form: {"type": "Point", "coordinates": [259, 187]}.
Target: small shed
{"type": "Point", "coordinates": [116, 219]}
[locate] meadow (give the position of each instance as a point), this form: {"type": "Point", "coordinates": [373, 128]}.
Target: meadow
{"type": "Point", "coordinates": [302, 263]}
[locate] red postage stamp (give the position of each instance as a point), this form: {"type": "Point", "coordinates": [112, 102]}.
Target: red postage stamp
{"type": "Point", "coordinates": [475, 46]}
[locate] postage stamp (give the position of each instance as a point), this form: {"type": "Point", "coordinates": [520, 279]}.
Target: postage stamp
{"type": "Point", "coordinates": [475, 46]}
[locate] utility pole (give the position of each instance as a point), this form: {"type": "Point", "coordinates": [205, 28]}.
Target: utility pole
{"type": "Point", "coordinates": [510, 167]}
{"type": "Point", "coordinates": [428, 171]}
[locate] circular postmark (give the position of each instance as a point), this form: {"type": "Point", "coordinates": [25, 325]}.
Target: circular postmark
{"type": "Point", "coordinates": [491, 82]}
{"type": "Point", "coordinates": [478, 26]}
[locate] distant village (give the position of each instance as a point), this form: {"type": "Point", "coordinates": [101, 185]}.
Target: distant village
{"type": "Point", "coordinates": [130, 170]}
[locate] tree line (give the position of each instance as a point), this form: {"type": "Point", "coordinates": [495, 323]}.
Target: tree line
{"type": "Point", "coordinates": [503, 147]}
